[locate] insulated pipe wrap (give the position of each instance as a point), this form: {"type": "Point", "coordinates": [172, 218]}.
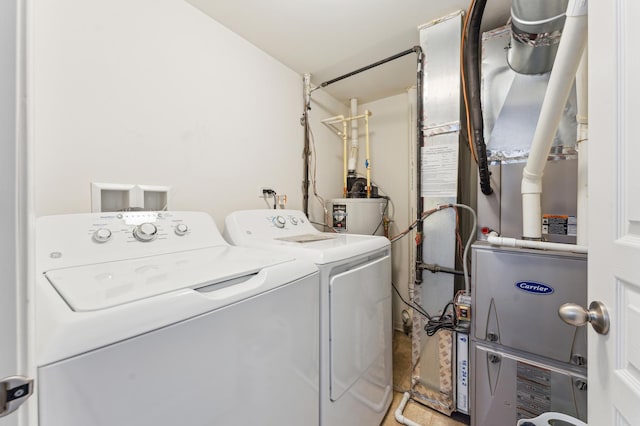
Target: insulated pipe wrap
{"type": "Point", "coordinates": [472, 65]}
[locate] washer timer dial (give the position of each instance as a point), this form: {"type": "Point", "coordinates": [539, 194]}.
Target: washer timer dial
{"type": "Point", "coordinates": [279, 221]}
{"type": "Point", "coordinates": [102, 235]}
{"type": "Point", "coordinates": [145, 232]}
{"type": "Point", "coordinates": [181, 229]}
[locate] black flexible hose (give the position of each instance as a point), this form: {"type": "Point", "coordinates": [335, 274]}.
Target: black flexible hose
{"type": "Point", "coordinates": [472, 65]}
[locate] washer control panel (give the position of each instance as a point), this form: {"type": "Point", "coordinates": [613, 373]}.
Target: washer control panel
{"type": "Point", "coordinates": [287, 220]}
{"type": "Point", "coordinates": [144, 227]}
{"type": "Point", "coordinates": [266, 223]}
{"type": "Point", "coordinates": [100, 237]}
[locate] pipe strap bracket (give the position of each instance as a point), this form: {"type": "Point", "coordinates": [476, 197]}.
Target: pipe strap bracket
{"type": "Point", "coordinates": [537, 40]}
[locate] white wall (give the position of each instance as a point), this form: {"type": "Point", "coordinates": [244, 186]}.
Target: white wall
{"type": "Point", "coordinates": [390, 128]}
{"type": "Point", "coordinates": [155, 92]}
{"type": "Point", "coordinates": [326, 158]}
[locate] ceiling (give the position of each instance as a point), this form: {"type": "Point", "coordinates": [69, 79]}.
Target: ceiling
{"type": "Point", "coordinates": [329, 38]}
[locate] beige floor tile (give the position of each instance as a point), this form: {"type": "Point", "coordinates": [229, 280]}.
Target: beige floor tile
{"type": "Point", "coordinates": [414, 411]}
{"type": "Point", "coordinates": [401, 362]}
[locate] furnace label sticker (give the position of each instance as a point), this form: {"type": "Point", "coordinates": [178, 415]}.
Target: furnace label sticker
{"type": "Point", "coordinates": [533, 387]}
{"type": "Point", "coordinates": [440, 170]}
{"type": "Point", "coordinates": [553, 224]}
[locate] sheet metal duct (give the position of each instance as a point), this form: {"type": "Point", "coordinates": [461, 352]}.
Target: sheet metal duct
{"type": "Point", "coordinates": [536, 27]}
{"type": "Point", "coordinates": [511, 101]}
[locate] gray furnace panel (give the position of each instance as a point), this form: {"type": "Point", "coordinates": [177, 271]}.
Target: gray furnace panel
{"type": "Point", "coordinates": [507, 387]}
{"type": "Point", "coordinates": [516, 296]}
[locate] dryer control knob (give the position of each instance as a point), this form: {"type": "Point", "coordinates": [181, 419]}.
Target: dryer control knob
{"type": "Point", "coordinates": [181, 229]}
{"type": "Point", "coordinates": [145, 232]}
{"type": "Point", "coordinates": [279, 221]}
{"type": "Point", "coordinates": [294, 221]}
{"type": "Point", "coordinates": [102, 235]}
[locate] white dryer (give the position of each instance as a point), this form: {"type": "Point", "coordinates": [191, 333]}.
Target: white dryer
{"type": "Point", "coordinates": [356, 383]}
{"type": "Point", "coordinates": [152, 319]}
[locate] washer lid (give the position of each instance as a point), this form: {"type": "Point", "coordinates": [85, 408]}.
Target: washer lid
{"type": "Point", "coordinates": [104, 285]}
{"type": "Point", "coordinates": [335, 248]}
{"type": "Point", "coordinates": [296, 236]}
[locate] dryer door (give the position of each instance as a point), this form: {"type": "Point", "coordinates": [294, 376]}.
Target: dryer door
{"type": "Point", "coordinates": [361, 332]}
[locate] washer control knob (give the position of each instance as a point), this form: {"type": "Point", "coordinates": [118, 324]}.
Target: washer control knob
{"type": "Point", "coordinates": [279, 221]}
{"type": "Point", "coordinates": [145, 232]}
{"type": "Point", "coordinates": [102, 235]}
{"type": "Point", "coordinates": [294, 221]}
{"type": "Point", "coordinates": [181, 229]}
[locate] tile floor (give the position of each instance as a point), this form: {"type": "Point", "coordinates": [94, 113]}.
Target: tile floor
{"type": "Point", "coordinates": [414, 411]}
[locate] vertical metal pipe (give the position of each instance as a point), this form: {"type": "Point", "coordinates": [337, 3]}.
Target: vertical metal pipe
{"type": "Point", "coordinates": [305, 172]}
{"type": "Point", "coordinates": [419, 145]}
{"type": "Point", "coordinates": [353, 151]}
{"type": "Point", "coordinates": [344, 158]}
{"type": "Point", "coordinates": [536, 27]}
{"type": "Point", "coordinates": [306, 151]}
{"type": "Point", "coordinates": [367, 159]}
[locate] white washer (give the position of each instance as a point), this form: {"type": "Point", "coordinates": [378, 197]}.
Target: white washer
{"type": "Point", "coordinates": [355, 308]}
{"type": "Point", "coordinates": [152, 319]}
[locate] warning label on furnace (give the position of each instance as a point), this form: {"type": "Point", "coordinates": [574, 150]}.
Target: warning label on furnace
{"type": "Point", "coordinates": [533, 387]}
{"type": "Point", "coordinates": [553, 224]}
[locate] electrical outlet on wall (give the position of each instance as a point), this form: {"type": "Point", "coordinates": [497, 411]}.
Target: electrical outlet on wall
{"type": "Point", "coordinates": [265, 191]}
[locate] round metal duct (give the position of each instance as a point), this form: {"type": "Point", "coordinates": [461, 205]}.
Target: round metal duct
{"type": "Point", "coordinates": [536, 27]}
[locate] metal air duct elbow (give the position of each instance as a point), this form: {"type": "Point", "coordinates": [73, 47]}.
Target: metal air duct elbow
{"type": "Point", "coordinates": [536, 27]}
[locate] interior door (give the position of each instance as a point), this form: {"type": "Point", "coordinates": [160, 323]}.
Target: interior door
{"type": "Point", "coordinates": [614, 209]}
{"type": "Point", "coordinates": [12, 226]}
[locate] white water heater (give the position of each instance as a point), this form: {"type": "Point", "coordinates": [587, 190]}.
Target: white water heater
{"type": "Point", "coordinates": [357, 215]}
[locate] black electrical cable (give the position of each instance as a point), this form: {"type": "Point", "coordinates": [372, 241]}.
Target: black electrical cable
{"type": "Point", "coordinates": [417, 308]}
{"type": "Point", "coordinates": [272, 193]}
{"type": "Point", "coordinates": [444, 321]}
{"type": "Point", "coordinates": [472, 66]}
